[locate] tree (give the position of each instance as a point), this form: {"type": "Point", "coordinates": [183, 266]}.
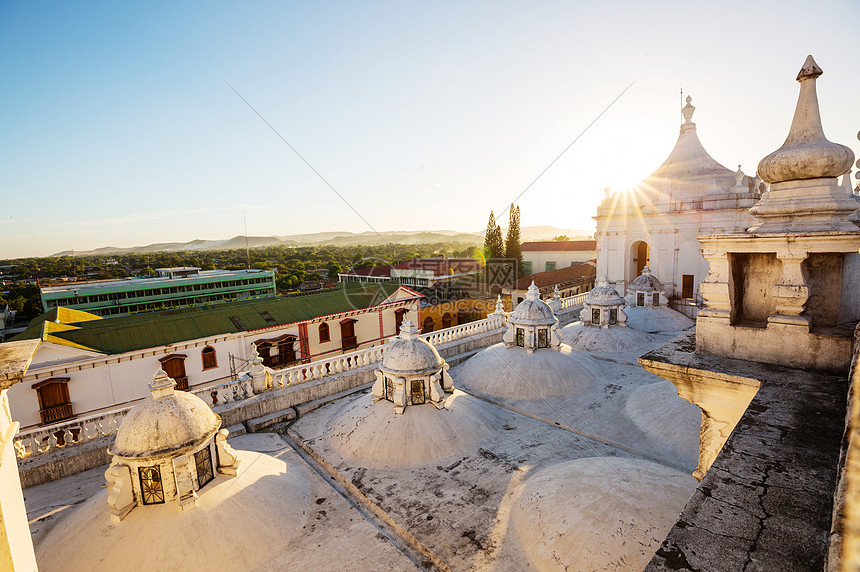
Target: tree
{"type": "Point", "coordinates": [512, 243]}
{"type": "Point", "coordinates": [560, 238]}
{"type": "Point", "coordinates": [493, 246]}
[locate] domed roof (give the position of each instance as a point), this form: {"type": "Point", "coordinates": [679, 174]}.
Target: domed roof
{"type": "Point", "coordinates": [168, 423]}
{"type": "Point", "coordinates": [599, 340]}
{"type": "Point", "coordinates": [366, 435]}
{"type": "Point", "coordinates": [410, 354]}
{"type": "Point", "coordinates": [597, 513]}
{"type": "Point", "coordinates": [252, 522]}
{"type": "Point", "coordinates": [646, 282]}
{"type": "Point", "coordinates": [603, 294]}
{"type": "Point", "coordinates": [656, 319]}
{"type": "Point", "coordinates": [689, 160]}
{"type": "Point", "coordinates": [514, 374]}
{"type": "Point", "coordinates": [533, 311]}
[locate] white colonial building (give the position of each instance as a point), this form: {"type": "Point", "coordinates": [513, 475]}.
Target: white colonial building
{"type": "Point", "coordinates": [656, 223]}
{"type": "Point", "coordinates": [86, 364]}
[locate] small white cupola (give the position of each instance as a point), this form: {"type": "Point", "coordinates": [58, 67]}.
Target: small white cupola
{"type": "Point", "coordinates": [167, 448]}
{"type": "Point", "coordinates": [603, 306]}
{"type": "Point", "coordinates": [412, 372]}
{"type": "Point", "coordinates": [532, 325]}
{"type": "Point", "coordinates": [646, 291]}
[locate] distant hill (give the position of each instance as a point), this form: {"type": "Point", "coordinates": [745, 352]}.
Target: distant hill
{"type": "Point", "coordinates": [333, 238]}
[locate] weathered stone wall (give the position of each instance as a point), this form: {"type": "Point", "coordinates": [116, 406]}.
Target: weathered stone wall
{"type": "Point", "coordinates": [822, 272]}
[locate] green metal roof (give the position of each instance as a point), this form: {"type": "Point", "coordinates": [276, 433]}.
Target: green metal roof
{"type": "Point", "coordinates": [146, 330]}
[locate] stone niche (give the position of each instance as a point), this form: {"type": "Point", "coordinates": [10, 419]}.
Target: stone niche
{"type": "Point", "coordinates": [752, 278]}
{"type": "Point", "coordinates": [822, 272]}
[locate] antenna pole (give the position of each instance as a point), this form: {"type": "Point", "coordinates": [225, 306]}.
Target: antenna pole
{"type": "Point", "coordinates": [247, 250]}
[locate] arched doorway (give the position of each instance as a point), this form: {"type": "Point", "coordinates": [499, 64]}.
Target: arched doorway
{"type": "Point", "coordinates": [428, 325]}
{"type": "Point", "coordinates": [446, 320]}
{"type": "Point", "coordinates": [640, 257]}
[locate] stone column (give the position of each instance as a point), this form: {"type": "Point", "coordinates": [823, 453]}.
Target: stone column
{"type": "Point", "coordinates": [790, 292]}
{"type": "Point", "coordinates": [257, 371]}
{"type": "Point", "coordinates": [715, 287]}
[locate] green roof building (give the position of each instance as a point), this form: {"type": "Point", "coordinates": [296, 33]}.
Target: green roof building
{"type": "Point", "coordinates": [172, 288]}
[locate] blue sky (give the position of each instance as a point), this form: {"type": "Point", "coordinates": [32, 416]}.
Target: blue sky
{"type": "Point", "coordinates": [118, 129]}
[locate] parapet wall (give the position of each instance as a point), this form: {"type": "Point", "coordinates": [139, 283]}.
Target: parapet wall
{"type": "Point", "coordinates": [69, 460]}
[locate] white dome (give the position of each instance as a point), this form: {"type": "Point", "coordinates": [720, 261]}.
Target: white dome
{"type": "Point", "coordinates": [410, 354]}
{"type": "Point", "coordinates": [168, 423]}
{"type": "Point", "coordinates": [515, 374]}
{"type": "Point", "coordinates": [601, 340]}
{"type": "Point", "coordinates": [533, 311]}
{"type": "Point", "coordinates": [603, 295]}
{"type": "Point", "coordinates": [656, 320]}
{"type": "Point", "coordinates": [598, 513]}
{"type": "Point", "coordinates": [646, 282]}
{"type": "Point", "coordinates": [367, 435]}
{"type": "Point", "coordinates": [245, 522]}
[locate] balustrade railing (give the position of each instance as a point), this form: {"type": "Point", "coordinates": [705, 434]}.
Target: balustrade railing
{"type": "Point", "coordinates": [40, 440]}
{"type": "Point", "coordinates": [575, 300]}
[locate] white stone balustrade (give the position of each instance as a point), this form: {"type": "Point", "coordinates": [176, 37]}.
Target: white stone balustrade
{"type": "Point", "coordinates": [40, 440]}
{"type": "Point", "coordinates": [454, 333]}
{"type": "Point", "coordinates": [572, 301]}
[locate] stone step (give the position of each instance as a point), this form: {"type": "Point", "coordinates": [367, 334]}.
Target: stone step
{"type": "Point", "coordinates": [259, 424]}
{"type": "Point", "coordinates": [236, 430]}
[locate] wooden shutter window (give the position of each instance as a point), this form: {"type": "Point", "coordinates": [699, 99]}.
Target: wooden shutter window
{"type": "Point", "coordinates": [54, 403]}
{"type": "Point", "coordinates": [209, 357]}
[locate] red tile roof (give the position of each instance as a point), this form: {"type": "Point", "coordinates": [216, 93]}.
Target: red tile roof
{"type": "Point", "coordinates": [560, 276]}
{"type": "Point", "coordinates": [559, 246]}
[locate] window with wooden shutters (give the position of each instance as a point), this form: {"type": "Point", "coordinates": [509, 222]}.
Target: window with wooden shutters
{"type": "Point", "coordinates": [286, 350]}
{"type": "Point", "coordinates": [347, 334]}
{"type": "Point", "coordinates": [174, 366]}
{"type": "Point", "coordinates": [54, 403]}
{"type": "Point", "coordinates": [324, 333]}
{"type": "Point", "coordinates": [687, 286]}
{"type": "Point", "coordinates": [209, 358]}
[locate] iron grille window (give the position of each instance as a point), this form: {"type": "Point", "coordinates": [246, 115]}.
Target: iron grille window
{"type": "Point", "coordinates": [417, 392]}
{"type": "Point", "coordinates": [655, 300]}
{"type": "Point", "coordinates": [150, 485]}
{"type": "Point", "coordinates": [203, 462]}
{"type": "Point", "coordinates": [521, 337]}
{"type": "Point", "coordinates": [542, 338]}
{"type": "Point", "coordinates": [640, 299]}
{"type": "Point", "coordinates": [613, 316]}
{"type": "Point", "coordinates": [389, 389]}
{"type": "Point", "coordinates": [595, 316]}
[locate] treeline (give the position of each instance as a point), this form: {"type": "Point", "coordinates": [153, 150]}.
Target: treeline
{"type": "Point", "coordinates": [293, 265]}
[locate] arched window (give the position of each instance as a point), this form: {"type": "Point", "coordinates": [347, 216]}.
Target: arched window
{"type": "Point", "coordinates": [324, 333]}
{"type": "Point", "coordinates": [209, 358]}
{"type": "Point", "coordinates": [428, 325]}
{"type": "Point", "coordinates": [446, 320]}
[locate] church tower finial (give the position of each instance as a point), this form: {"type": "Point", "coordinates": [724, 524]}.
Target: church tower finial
{"type": "Point", "coordinates": [688, 111]}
